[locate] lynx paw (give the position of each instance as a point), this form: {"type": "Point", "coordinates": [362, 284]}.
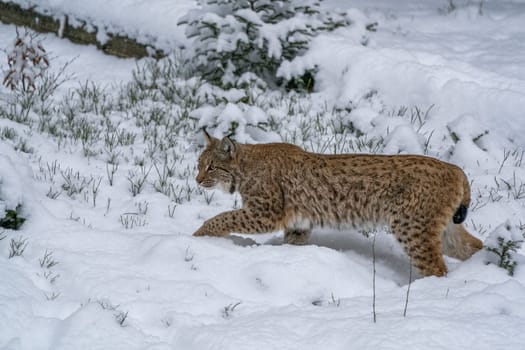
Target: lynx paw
{"type": "Point", "coordinates": [296, 237]}
{"type": "Point", "coordinates": [204, 232]}
{"type": "Point", "coordinates": [201, 232]}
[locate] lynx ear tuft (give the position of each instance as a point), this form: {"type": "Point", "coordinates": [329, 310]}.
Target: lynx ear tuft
{"type": "Point", "coordinates": [227, 147]}
{"type": "Point", "coordinates": [207, 136]}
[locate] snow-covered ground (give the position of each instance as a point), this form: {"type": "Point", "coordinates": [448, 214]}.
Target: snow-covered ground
{"type": "Point", "coordinates": [131, 276]}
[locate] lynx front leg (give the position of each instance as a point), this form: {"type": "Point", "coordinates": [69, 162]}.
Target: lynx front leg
{"type": "Point", "coordinates": [239, 221]}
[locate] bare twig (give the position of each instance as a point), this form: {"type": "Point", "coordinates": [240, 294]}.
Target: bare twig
{"type": "Point", "coordinates": [374, 277]}
{"type": "Point", "coordinates": [408, 289]}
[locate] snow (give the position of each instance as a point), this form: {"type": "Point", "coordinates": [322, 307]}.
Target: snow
{"type": "Point", "coordinates": [403, 139]}
{"type": "Point", "coordinates": [152, 22]}
{"type": "Point", "coordinates": [154, 286]}
{"type": "Point", "coordinates": [12, 187]}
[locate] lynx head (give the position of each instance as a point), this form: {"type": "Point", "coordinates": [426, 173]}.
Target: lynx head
{"type": "Point", "coordinates": [216, 164]}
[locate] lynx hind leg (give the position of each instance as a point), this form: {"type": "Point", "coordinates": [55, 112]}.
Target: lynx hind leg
{"type": "Point", "coordinates": [422, 243]}
{"type": "Point", "coordinates": [296, 236]}
{"type": "Point", "coordinates": [458, 243]}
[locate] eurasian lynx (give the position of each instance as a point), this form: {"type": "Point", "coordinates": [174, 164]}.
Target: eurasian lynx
{"type": "Point", "coordinates": [422, 200]}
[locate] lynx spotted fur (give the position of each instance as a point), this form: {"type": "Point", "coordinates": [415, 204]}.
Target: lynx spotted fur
{"type": "Point", "coordinates": [422, 200]}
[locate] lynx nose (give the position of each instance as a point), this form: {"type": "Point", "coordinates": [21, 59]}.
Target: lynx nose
{"type": "Point", "coordinates": [199, 178]}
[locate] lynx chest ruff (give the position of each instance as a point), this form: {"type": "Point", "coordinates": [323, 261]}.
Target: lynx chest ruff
{"type": "Point", "coordinates": [421, 199]}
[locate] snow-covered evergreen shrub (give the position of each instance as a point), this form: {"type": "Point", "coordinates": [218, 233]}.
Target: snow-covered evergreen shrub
{"type": "Point", "coordinates": [503, 245]}
{"type": "Point", "coordinates": [12, 189]}
{"type": "Point", "coordinates": [12, 219]}
{"type": "Point", "coordinates": [246, 123]}
{"type": "Point", "coordinates": [242, 41]}
{"type": "Point", "coordinates": [10, 214]}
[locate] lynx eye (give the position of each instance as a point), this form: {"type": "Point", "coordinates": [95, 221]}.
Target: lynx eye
{"type": "Point", "coordinates": [210, 168]}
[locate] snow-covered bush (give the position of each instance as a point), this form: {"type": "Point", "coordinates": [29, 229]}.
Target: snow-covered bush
{"type": "Point", "coordinates": [246, 123]}
{"type": "Point", "coordinates": [11, 190]}
{"type": "Point", "coordinates": [27, 61]}
{"type": "Point", "coordinates": [237, 42]}
{"type": "Point", "coordinates": [11, 218]}
{"type": "Point", "coordinates": [29, 77]}
{"type": "Point", "coordinates": [503, 245]}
